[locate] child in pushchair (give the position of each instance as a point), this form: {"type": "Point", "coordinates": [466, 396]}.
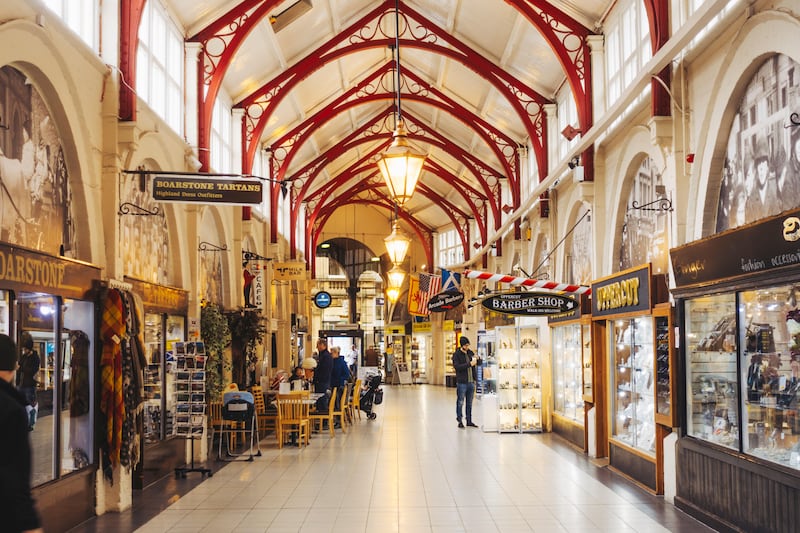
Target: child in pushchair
{"type": "Point", "coordinates": [371, 394]}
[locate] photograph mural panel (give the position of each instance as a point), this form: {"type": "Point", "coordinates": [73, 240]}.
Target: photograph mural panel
{"type": "Point", "coordinates": [761, 172]}
{"type": "Point", "coordinates": [35, 196]}
{"type": "Point", "coordinates": [146, 254]}
{"type": "Point", "coordinates": [210, 282]}
{"type": "Point", "coordinates": [645, 231]}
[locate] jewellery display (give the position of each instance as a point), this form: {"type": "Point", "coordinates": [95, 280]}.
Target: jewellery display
{"type": "Point", "coordinates": [567, 371]}
{"type": "Point", "coordinates": [633, 403]}
{"type": "Point", "coordinates": [519, 380]}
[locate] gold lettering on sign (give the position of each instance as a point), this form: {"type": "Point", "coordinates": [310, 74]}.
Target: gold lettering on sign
{"type": "Point", "coordinates": [624, 293]}
{"type": "Point", "coordinates": [31, 271]}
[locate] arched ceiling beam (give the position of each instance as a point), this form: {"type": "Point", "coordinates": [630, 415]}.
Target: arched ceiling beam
{"type": "Point", "coordinates": [130, 17]}
{"type": "Point", "coordinates": [568, 40]}
{"type": "Point", "coordinates": [220, 40]}
{"type": "Point", "coordinates": [366, 33]}
{"type": "Point", "coordinates": [658, 19]}
{"type": "Point", "coordinates": [424, 233]}
{"type": "Point", "coordinates": [487, 177]}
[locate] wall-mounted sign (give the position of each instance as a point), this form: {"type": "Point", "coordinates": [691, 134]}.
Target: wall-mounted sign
{"type": "Point", "coordinates": [322, 299]}
{"type": "Point", "coordinates": [622, 293]}
{"type": "Point", "coordinates": [290, 271]}
{"type": "Point", "coordinates": [30, 271]}
{"type": "Point", "coordinates": [159, 298]}
{"type": "Point", "coordinates": [198, 188]}
{"type": "Point", "coordinates": [768, 245]}
{"type": "Point", "coordinates": [529, 303]}
{"type": "Point", "coordinates": [444, 301]}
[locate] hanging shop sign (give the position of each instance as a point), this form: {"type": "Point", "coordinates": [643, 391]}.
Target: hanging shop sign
{"type": "Point", "coordinates": [198, 188]}
{"type": "Point", "coordinates": [323, 299]}
{"type": "Point", "coordinates": [160, 298]}
{"type": "Point", "coordinates": [290, 271]}
{"type": "Point", "coordinates": [26, 270]}
{"type": "Point", "coordinates": [622, 293]}
{"type": "Point", "coordinates": [444, 301]}
{"type": "Point", "coordinates": [579, 310]}
{"type": "Point", "coordinates": [529, 303]}
{"type": "Point", "coordinates": [768, 245]}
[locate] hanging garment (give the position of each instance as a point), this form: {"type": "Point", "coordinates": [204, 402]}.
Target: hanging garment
{"type": "Point", "coordinates": [112, 333]}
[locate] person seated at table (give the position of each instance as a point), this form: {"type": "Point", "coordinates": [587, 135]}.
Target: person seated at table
{"type": "Point", "coordinates": [280, 377]}
{"type": "Point", "coordinates": [299, 374]}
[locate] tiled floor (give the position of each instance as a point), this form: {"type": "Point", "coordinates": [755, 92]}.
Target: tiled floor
{"type": "Point", "coordinates": [411, 470]}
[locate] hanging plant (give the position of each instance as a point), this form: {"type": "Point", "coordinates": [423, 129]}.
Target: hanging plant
{"type": "Point", "coordinates": [216, 334]}
{"type": "Point", "coordinates": [247, 332]}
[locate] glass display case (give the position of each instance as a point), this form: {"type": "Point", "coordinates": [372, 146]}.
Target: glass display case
{"type": "Point", "coordinates": [487, 372]}
{"type": "Point", "coordinates": [519, 392]}
{"type": "Point", "coordinates": [769, 370]}
{"type": "Point", "coordinates": [712, 390]}
{"type": "Point", "coordinates": [665, 387]}
{"type": "Point", "coordinates": [633, 398]}
{"type": "Point", "coordinates": [449, 350]}
{"type": "Point", "coordinates": [567, 373]}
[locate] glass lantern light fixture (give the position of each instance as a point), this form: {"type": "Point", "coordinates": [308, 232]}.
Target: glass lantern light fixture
{"type": "Point", "coordinates": [400, 164]}
{"type": "Point", "coordinates": [397, 244]}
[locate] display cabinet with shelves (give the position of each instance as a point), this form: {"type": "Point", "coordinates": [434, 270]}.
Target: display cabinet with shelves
{"type": "Point", "coordinates": [449, 350]}
{"type": "Point", "coordinates": [519, 393]}
{"type": "Point", "coordinates": [586, 362]}
{"type": "Point", "coordinates": [567, 372]}
{"type": "Point", "coordinates": [664, 351]}
{"type": "Point", "coordinates": [633, 408]}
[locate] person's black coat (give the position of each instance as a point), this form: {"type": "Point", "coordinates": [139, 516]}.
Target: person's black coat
{"type": "Point", "coordinates": [461, 361]}
{"type": "Point", "coordinates": [17, 507]}
{"type": "Point", "coordinates": [322, 374]}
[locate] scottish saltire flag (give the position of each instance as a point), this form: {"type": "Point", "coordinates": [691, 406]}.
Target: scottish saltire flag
{"type": "Point", "coordinates": [451, 281]}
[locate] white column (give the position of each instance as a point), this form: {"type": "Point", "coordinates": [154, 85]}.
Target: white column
{"type": "Point", "coordinates": [237, 117]}
{"type": "Point", "coordinates": [191, 106]}
{"type": "Point", "coordinates": [598, 63]}
{"type": "Point", "coordinates": [551, 114]}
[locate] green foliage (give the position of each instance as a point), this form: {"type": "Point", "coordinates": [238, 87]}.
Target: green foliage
{"type": "Point", "coordinates": [216, 334]}
{"type": "Point", "coordinates": [247, 331]}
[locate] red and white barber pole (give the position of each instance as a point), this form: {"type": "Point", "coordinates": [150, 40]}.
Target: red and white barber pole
{"type": "Point", "coordinates": [528, 282]}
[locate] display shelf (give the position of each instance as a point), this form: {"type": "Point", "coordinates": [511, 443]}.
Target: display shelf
{"type": "Point", "coordinates": [633, 402]}
{"type": "Point", "coordinates": [519, 393]}
{"type": "Point", "coordinates": [567, 372]}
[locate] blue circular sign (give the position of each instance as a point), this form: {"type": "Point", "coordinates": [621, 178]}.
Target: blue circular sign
{"type": "Point", "coordinates": [322, 299]}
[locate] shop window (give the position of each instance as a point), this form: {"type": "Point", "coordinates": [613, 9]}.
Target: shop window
{"type": "Point", "coordinates": [4, 315]}
{"type": "Point", "coordinates": [567, 370]}
{"type": "Point", "coordinates": [56, 376]}
{"type": "Point", "coordinates": [711, 347]}
{"type": "Point", "coordinates": [77, 411]}
{"type": "Point", "coordinates": [770, 372]}
{"type": "Point", "coordinates": [632, 369]}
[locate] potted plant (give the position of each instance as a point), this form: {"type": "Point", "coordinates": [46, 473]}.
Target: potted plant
{"type": "Point", "coordinates": [247, 331]}
{"type": "Point", "coordinates": [216, 334]}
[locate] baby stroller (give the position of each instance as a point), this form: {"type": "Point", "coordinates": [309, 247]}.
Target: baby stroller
{"type": "Point", "coordinates": [371, 394]}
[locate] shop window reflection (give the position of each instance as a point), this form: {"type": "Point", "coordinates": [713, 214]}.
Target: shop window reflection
{"type": "Point", "coordinates": [78, 375]}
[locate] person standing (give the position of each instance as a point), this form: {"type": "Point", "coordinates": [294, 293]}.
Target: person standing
{"type": "Point", "coordinates": [29, 365]}
{"type": "Point", "coordinates": [17, 507]}
{"type": "Point", "coordinates": [351, 357]}
{"type": "Point", "coordinates": [465, 363]}
{"type": "Point", "coordinates": [322, 374]}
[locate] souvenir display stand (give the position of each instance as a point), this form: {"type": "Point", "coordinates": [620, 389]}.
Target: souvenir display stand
{"type": "Point", "coordinates": [190, 361]}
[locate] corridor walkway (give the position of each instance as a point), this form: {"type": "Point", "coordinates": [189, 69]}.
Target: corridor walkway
{"type": "Point", "coordinates": [411, 470]}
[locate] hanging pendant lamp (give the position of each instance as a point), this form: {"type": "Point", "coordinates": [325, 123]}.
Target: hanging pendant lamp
{"type": "Point", "coordinates": [400, 164]}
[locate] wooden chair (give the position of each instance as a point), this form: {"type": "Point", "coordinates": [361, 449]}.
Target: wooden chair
{"type": "Point", "coordinates": [317, 418]}
{"type": "Point", "coordinates": [266, 419]}
{"type": "Point", "coordinates": [339, 412]}
{"type": "Point", "coordinates": [217, 423]}
{"type": "Point", "coordinates": [293, 411]}
{"type": "Point", "coordinates": [355, 401]}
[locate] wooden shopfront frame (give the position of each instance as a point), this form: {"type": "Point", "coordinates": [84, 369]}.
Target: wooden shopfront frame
{"type": "Point", "coordinates": [629, 294]}
{"type": "Point", "coordinates": [160, 458]}
{"type": "Point", "coordinates": [572, 431]}
{"type": "Point", "coordinates": [68, 499]}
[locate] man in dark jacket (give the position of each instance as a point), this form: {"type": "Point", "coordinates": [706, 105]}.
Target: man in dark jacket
{"type": "Point", "coordinates": [17, 508]}
{"type": "Point", "coordinates": [322, 374]}
{"type": "Point", "coordinates": [465, 363]}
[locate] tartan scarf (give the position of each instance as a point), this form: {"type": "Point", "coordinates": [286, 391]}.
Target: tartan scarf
{"type": "Point", "coordinates": [112, 331]}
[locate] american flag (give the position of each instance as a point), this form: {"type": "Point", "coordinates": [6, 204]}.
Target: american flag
{"type": "Point", "coordinates": [429, 285]}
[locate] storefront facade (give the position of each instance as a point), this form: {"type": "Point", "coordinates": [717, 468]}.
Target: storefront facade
{"type": "Point", "coordinates": [741, 349]}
